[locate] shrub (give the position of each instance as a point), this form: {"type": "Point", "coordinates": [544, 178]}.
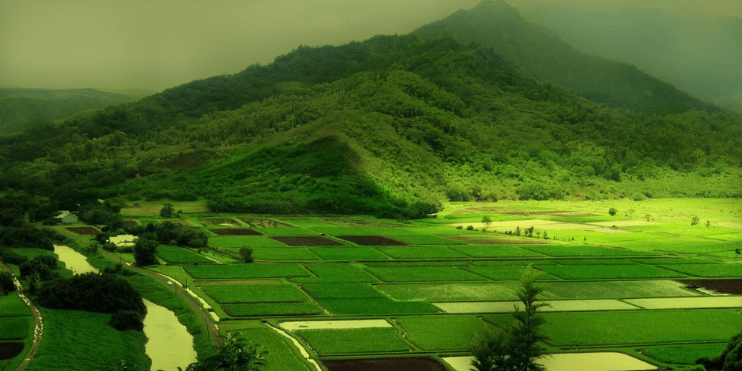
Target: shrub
{"type": "Point", "coordinates": [469, 227]}
{"type": "Point", "coordinates": [6, 283]}
{"type": "Point", "coordinates": [612, 211]}
{"type": "Point", "coordinates": [126, 320]}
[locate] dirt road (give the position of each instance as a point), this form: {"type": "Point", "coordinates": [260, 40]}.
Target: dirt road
{"type": "Point", "coordinates": [38, 324]}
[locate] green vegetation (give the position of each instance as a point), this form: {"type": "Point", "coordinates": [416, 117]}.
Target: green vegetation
{"type": "Point", "coordinates": [11, 305]}
{"type": "Point", "coordinates": [348, 253]}
{"type": "Point", "coordinates": [283, 254]}
{"type": "Point", "coordinates": [270, 309]}
{"type": "Point", "coordinates": [442, 332]}
{"type": "Point", "coordinates": [14, 328]}
{"type": "Point", "coordinates": [280, 357]}
{"type": "Point", "coordinates": [495, 251]}
{"type": "Point", "coordinates": [338, 273]}
{"type": "Point", "coordinates": [427, 252]}
{"type": "Point", "coordinates": [687, 354]}
{"type": "Point", "coordinates": [422, 274]}
{"type": "Point", "coordinates": [607, 272]}
{"type": "Point", "coordinates": [230, 271]}
{"type": "Point", "coordinates": [581, 250]}
{"type": "Point", "coordinates": [442, 292]}
{"type": "Point", "coordinates": [708, 270]}
{"type": "Point", "coordinates": [423, 239]}
{"type": "Point", "coordinates": [175, 254]}
{"type": "Point", "coordinates": [375, 306]}
{"type": "Point", "coordinates": [254, 293]}
{"type": "Point", "coordinates": [501, 272]}
{"type": "Point", "coordinates": [341, 290]}
{"type": "Point", "coordinates": [367, 340]}
{"type": "Point", "coordinates": [616, 289]}
{"type": "Point", "coordinates": [239, 241]}
{"type": "Point", "coordinates": [84, 341]}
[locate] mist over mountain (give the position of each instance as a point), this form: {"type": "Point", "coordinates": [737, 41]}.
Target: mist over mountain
{"type": "Point", "coordinates": [22, 109]}
{"type": "Point", "coordinates": [698, 53]}
{"type": "Point", "coordinates": [496, 24]}
{"type": "Point", "coordinates": [390, 126]}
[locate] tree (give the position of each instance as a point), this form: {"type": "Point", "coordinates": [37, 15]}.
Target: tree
{"type": "Point", "coordinates": [166, 211]}
{"type": "Point", "coordinates": [694, 220]}
{"type": "Point", "coordinates": [144, 252]}
{"type": "Point", "coordinates": [516, 349]}
{"type": "Point", "coordinates": [486, 221]}
{"type": "Point", "coordinates": [235, 354]}
{"type": "Point", "coordinates": [612, 211]}
{"type": "Point", "coordinates": [6, 283]}
{"type": "Point", "coordinates": [246, 254]}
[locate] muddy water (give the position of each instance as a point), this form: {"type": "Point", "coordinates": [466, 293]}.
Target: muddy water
{"type": "Point", "coordinates": [170, 345]}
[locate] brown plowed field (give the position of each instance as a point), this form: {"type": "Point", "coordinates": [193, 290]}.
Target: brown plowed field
{"type": "Point", "coordinates": [236, 232]}
{"type": "Point", "coordinates": [306, 241]}
{"type": "Point", "coordinates": [83, 230]}
{"type": "Point", "coordinates": [372, 240]}
{"type": "Point", "coordinates": [733, 287]}
{"type": "Point", "coordinates": [130, 223]}
{"type": "Point", "coordinates": [10, 350]}
{"type": "Point", "coordinates": [384, 364]}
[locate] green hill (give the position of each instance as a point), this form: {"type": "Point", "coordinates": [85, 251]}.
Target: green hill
{"type": "Point", "coordinates": [21, 109]}
{"type": "Point", "coordinates": [390, 126]}
{"type": "Point", "coordinates": [495, 24]}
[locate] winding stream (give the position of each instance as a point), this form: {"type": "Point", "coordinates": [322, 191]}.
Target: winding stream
{"type": "Point", "coordinates": [170, 345]}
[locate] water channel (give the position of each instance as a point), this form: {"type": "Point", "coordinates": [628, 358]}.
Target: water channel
{"type": "Point", "coordinates": [169, 344]}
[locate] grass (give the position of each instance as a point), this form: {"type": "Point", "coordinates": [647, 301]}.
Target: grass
{"type": "Point", "coordinates": [428, 252]}
{"type": "Point", "coordinates": [348, 253]}
{"type": "Point", "coordinates": [261, 253]}
{"type": "Point", "coordinates": [444, 292]}
{"type": "Point", "coordinates": [422, 274]}
{"type": "Point", "coordinates": [668, 261]}
{"type": "Point", "coordinates": [14, 328]}
{"type": "Point", "coordinates": [364, 340]}
{"type": "Point", "coordinates": [608, 272]}
{"type": "Point", "coordinates": [504, 272]}
{"type": "Point", "coordinates": [685, 353]}
{"type": "Point", "coordinates": [11, 305]}
{"type": "Point", "coordinates": [254, 270]}
{"type": "Point", "coordinates": [281, 356]}
{"type": "Point", "coordinates": [641, 327]}
{"type": "Point", "coordinates": [422, 239]}
{"type": "Point", "coordinates": [175, 254]}
{"type": "Point", "coordinates": [341, 290]}
{"type": "Point", "coordinates": [439, 333]}
{"type": "Point", "coordinates": [582, 250]}
{"type": "Point", "coordinates": [690, 245]}
{"type": "Point", "coordinates": [708, 270]}
{"type": "Point", "coordinates": [254, 293]}
{"type": "Point", "coordinates": [270, 309]}
{"type": "Point", "coordinates": [338, 273]}
{"type": "Point", "coordinates": [240, 241]}
{"type": "Point", "coordinates": [375, 306]}
{"type": "Point", "coordinates": [616, 289]}
{"type": "Point", "coordinates": [495, 251]}
{"type": "Point", "coordinates": [78, 340]}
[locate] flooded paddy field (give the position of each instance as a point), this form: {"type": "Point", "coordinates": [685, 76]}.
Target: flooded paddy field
{"type": "Point", "coordinates": [363, 293]}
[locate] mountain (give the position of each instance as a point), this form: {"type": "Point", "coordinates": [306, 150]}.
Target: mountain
{"type": "Point", "coordinates": [390, 126]}
{"type": "Point", "coordinates": [692, 51]}
{"type": "Point", "coordinates": [495, 24]}
{"type": "Point", "coordinates": [21, 109]}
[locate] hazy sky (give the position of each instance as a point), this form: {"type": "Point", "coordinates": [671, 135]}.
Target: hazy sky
{"type": "Point", "coordinates": [156, 44]}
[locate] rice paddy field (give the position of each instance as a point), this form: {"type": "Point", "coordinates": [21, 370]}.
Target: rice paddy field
{"type": "Point", "coordinates": [630, 283]}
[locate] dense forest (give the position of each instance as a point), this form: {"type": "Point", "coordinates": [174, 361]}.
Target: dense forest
{"type": "Point", "coordinates": [389, 126]}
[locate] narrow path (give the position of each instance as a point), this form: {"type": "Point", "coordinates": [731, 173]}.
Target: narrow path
{"type": "Point", "coordinates": [38, 327]}
{"type": "Point", "coordinates": [210, 325]}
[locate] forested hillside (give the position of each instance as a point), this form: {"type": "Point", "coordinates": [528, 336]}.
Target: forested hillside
{"type": "Point", "coordinates": [21, 109]}
{"type": "Point", "coordinates": [495, 24]}
{"type": "Point", "coordinates": [390, 126]}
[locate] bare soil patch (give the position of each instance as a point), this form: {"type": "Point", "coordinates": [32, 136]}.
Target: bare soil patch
{"type": "Point", "coordinates": [219, 221]}
{"type": "Point", "coordinates": [10, 350]}
{"type": "Point", "coordinates": [306, 241]}
{"type": "Point", "coordinates": [384, 364]}
{"type": "Point", "coordinates": [236, 232]}
{"type": "Point", "coordinates": [130, 223]}
{"type": "Point", "coordinates": [372, 240]}
{"type": "Point", "coordinates": [732, 287]}
{"type": "Point", "coordinates": [265, 223]}
{"type": "Point", "coordinates": [88, 231]}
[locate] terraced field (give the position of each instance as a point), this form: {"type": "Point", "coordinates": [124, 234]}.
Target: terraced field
{"type": "Point", "coordinates": [615, 282]}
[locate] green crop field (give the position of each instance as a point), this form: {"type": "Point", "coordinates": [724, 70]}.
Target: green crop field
{"type": "Point", "coordinates": [375, 306]}
{"type": "Point", "coordinates": [289, 253]}
{"type": "Point", "coordinates": [684, 245]}
{"type": "Point", "coordinates": [583, 250]}
{"type": "Point", "coordinates": [341, 290]}
{"type": "Point", "coordinates": [366, 340]}
{"type": "Point", "coordinates": [709, 270]}
{"type": "Point", "coordinates": [428, 252]}
{"type": "Point", "coordinates": [609, 272]}
{"type": "Point", "coordinates": [422, 239]}
{"type": "Point", "coordinates": [443, 292]}
{"type": "Point", "coordinates": [442, 332]}
{"type": "Point", "coordinates": [270, 309]}
{"type": "Point", "coordinates": [616, 289]}
{"type": "Point", "coordinates": [280, 357]}
{"type": "Point", "coordinates": [504, 272]}
{"type": "Point", "coordinates": [687, 354]}
{"type": "Point", "coordinates": [495, 251]}
{"type": "Point", "coordinates": [641, 327]}
{"type": "Point", "coordinates": [232, 271]}
{"type": "Point", "coordinates": [254, 293]}
{"type": "Point", "coordinates": [422, 274]}
{"type": "Point", "coordinates": [11, 305]}
{"type": "Point", "coordinates": [240, 241]}
{"type": "Point", "coordinates": [14, 328]}
{"type": "Point", "coordinates": [348, 253]}
{"type": "Point", "coordinates": [175, 254]}
{"type": "Point", "coordinates": [337, 273]}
